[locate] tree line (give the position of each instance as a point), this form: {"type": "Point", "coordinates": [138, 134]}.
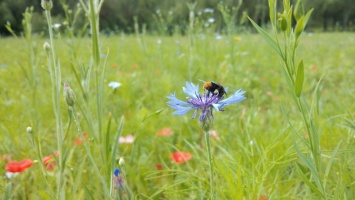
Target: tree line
{"type": "Point", "coordinates": [171, 16]}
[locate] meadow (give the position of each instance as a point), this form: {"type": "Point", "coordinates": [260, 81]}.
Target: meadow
{"type": "Point", "coordinates": [253, 145]}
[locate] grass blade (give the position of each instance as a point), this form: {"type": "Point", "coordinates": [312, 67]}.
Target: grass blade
{"type": "Point", "coordinates": [299, 79]}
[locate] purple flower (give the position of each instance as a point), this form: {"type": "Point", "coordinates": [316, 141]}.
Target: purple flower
{"type": "Point", "coordinates": [204, 102]}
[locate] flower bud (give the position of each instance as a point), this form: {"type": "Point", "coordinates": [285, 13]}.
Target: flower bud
{"type": "Point", "coordinates": [47, 46]}
{"type": "Point", "coordinates": [281, 22]}
{"type": "Point", "coordinates": [206, 121]}
{"type": "Point", "coordinates": [47, 4]}
{"type": "Point", "coordinates": [299, 10]}
{"type": "Point", "coordinates": [121, 161]}
{"type": "Point", "coordinates": [29, 130]}
{"type": "Point", "coordinates": [69, 95]}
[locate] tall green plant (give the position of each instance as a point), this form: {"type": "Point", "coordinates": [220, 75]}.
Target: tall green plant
{"type": "Point", "coordinates": [55, 75]}
{"type": "Point", "coordinates": [106, 144]}
{"type": "Point", "coordinates": [285, 41]}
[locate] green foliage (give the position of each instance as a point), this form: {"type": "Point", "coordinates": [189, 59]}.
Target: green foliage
{"type": "Point", "coordinates": [311, 156]}
{"type": "Point", "coordinates": [260, 152]}
{"type": "Point", "coordinates": [164, 17]}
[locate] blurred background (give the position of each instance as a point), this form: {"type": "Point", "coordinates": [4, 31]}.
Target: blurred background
{"type": "Point", "coordinates": [169, 17]}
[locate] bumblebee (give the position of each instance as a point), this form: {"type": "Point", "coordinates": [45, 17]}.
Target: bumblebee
{"type": "Point", "coordinates": [214, 89]}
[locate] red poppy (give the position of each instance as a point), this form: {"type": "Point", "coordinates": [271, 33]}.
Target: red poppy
{"type": "Point", "coordinates": [159, 166]}
{"type": "Point", "coordinates": [49, 161]}
{"type": "Point", "coordinates": [78, 140]}
{"type": "Point", "coordinates": [50, 166]}
{"type": "Point", "coordinates": [15, 166]}
{"type": "Point", "coordinates": [180, 157]}
{"type": "Point", "coordinates": [165, 132]}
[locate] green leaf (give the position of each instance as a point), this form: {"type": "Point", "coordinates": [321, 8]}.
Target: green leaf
{"type": "Point", "coordinates": [299, 79]}
{"type": "Point", "coordinates": [267, 37]}
{"type": "Point", "coordinates": [78, 177]}
{"type": "Point", "coordinates": [306, 17]}
{"type": "Point", "coordinates": [272, 8]}
{"type": "Point", "coordinates": [299, 10]}
{"type": "Point", "coordinates": [331, 160]}
{"type": "Point", "coordinates": [311, 166]}
{"type": "Point", "coordinates": [301, 23]}
{"type": "Point", "coordinates": [116, 144]}
{"type": "Point", "coordinates": [299, 27]}
{"type": "Point", "coordinates": [305, 179]}
{"type": "Point", "coordinates": [107, 141]}
{"type": "Point", "coordinates": [151, 115]}
{"type": "Point", "coordinates": [286, 4]}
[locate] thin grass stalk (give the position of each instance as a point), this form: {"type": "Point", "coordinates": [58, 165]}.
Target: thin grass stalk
{"type": "Point", "coordinates": [210, 163]}
{"type": "Point", "coordinates": [56, 83]}
{"type": "Point", "coordinates": [88, 152]}
{"type": "Point", "coordinates": [36, 146]}
{"type": "Point", "coordinates": [94, 25]}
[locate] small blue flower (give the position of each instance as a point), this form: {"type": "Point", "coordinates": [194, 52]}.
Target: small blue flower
{"type": "Point", "coordinates": [117, 179]}
{"type": "Point", "coordinates": [204, 102]}
{"type": "Point", "coordinates": [116, 172]}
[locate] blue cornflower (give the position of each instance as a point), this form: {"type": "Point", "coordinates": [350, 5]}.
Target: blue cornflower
{"type": "Point", "coordinates": [204, 102]}
{"type": "Point", "coordinates": [117, 179]}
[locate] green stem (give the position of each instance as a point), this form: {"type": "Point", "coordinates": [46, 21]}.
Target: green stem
{"type": "Point", "coordinates": [87, 148]}
{"type": "Point", "coordinates": [208, 145]}
{"type": "Point", "coordinates": [94, 22]}
{"type": "Point", "coordinates": [36, 146]}
{"type": "Point", "coordinates": [56, 83]}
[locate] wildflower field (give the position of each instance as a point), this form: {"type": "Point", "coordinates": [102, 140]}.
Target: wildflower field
{"type": "Point", "coordinates": [106, 117]}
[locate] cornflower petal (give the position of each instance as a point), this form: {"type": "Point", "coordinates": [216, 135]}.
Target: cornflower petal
{"type": "Point", "coordinates": [181, 107]}
{"type": "Point", "coordinates": [175, 101]}
{"type": "Point", "coordinates": [181, 110]}
{"type": "Point", "coordinates": [235, 98]}
{"type": "Point", "coordinates": [191, 90]}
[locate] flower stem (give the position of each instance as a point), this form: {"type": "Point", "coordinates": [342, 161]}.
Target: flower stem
{"type": "Point", "coordinates": [87, 148]}
{"type": "Point", "coordinates": [56, 83]}
{"type": "Point", "coordinates": [208, 145]}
